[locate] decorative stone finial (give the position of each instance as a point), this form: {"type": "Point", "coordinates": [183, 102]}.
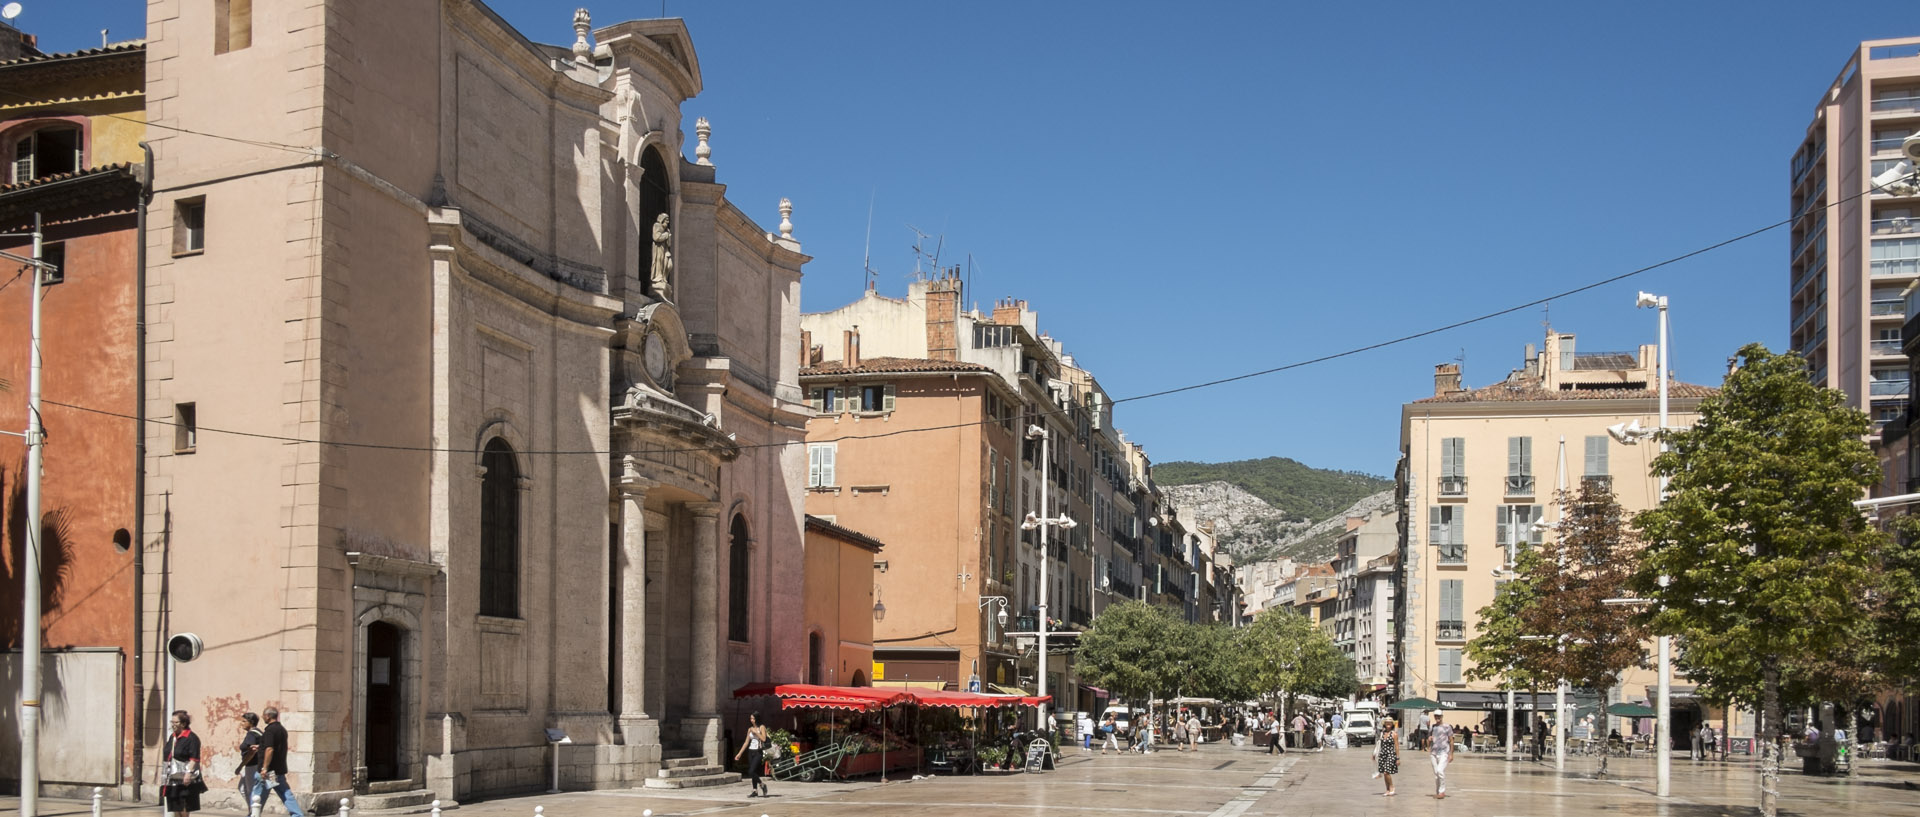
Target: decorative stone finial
{"type": "Point", "coordinates": [582, 23]}
{"type": "Point", "coordinates": [702, 154]}
{"type": "Point", "coordinates": [786, 219]}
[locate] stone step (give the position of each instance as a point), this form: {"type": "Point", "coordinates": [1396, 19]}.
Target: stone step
{"type": "Point", "coordinates": [683, 762]}
{"type": "Point", "coordinates": [722, 779]}
{"type": "Point", "coordinates": [418, 801]}
{"type": "Point", "coordinates": [696, 770]}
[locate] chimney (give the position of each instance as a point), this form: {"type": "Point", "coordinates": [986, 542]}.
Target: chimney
{"type": "Point", "coordinates": [943, 318]}
{"type": "Point", "coordinates": [851, 357]}
{"type": "Point", "coordinates": [1446, 379]}
{"type": "Point", "coordinates": [806, 348]}
{"type": "Point", "coordinates": [1007, 311]}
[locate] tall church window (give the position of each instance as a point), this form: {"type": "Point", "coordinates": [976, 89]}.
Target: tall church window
{"type": "Point", "coordinates": [738, 577]}
{"type": "Point", "coordinates": [499, 531]}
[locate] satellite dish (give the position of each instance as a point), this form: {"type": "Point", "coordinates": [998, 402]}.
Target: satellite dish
{"type": "Point", "coordinates": [10, 10]}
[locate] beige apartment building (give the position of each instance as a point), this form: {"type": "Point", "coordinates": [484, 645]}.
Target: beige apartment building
{"type": "Point", "coordinates": [1851, 255]}
{"type": "Point", "coordinates": [477, 407]}
{"type": "Point", "coordinates": [1481, 466]}
{"type": "Point", "coordinates": [1363, 580]}
{"type": "Point", "coordinates": [919, 438]}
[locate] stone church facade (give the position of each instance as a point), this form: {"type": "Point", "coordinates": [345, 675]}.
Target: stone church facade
{"type": "Point", "coordinates": [477, 422]}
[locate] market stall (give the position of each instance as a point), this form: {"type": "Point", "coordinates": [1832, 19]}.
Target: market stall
{"type": "Point", "coordinates": [853, 731]}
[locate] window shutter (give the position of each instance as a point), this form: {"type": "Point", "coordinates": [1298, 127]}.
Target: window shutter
{"type": "Point", "coordinates": [886, 402]}
{"type": "Point", "coordinates": [1526, 456]}
{"type": "Point", "coordinates": [1536, 516]}
{"type": "Point", "coordinates": [1452, 456]}
{"type": "Point", "coordinates": [1502, 519]}
{"type": "Point", "coordinates": [1597, 456]}
{"type": "Point", "coordinates": [1436, 527]}
{"type": "Point", "coordinates": [813, 467]}
{"type": "Point", "coordinates": [827, 453]}
{"type": "Point", "coordinates": [814, 401]}
{"type": "Point", "coordinates": [1456, 533]}
{"type": "Point", "coordinates": [1514, 456]}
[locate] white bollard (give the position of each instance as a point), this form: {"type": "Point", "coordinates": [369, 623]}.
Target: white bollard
{"type": "Point", "coordinates": [346, 808]}
{"type": "Point", "coordinates": [436, 809]}
{"type": "Point", "coordinates": [257, 805]}
{"type": "Point", "coordinates": [539, 811]}
{"type": "Point", "coordinates": [96, 801]}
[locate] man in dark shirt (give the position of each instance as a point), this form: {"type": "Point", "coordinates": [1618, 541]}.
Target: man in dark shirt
{"type": "Point", "coordinates": [274, 761]}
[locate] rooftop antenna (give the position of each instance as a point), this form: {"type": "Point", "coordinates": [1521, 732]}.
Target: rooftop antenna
{"type": "Point", "coordinates": [10, 11]}
{"type": "Point", "coordinates": [866, 255]}
{"type": "Point", "coordinates": [919, 251]}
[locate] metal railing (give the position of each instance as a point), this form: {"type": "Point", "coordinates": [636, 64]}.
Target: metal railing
{"type": "Point", "coordinates": [1890, 144]}
{"type": "Point", "coordinates": [1818, 232]}
{"type": "Point", "coordinates": [1453, 486]}
{"type": "Point", "coordinates": [1450, 630]}
{"type": "Point", "coordinates": [1888, 388]}
{"type": "Point", "coordinates": [1886, 347]}
{"type": "Point", "coordinates": [1899, 225]}
{"type": "Point", "coordinates": [1806, 276]}
{"type": "Point", "coordinates": [1451, 554]}
{"type": "Point", "coordinates": [1519, 485]}
{"type": "Point", "coordinates": [1885, 308]}
{"type": "Point", "coordinates": [1897, 104]}
{"type": "Point", "coordinates": [1884, 267]}
{"type": "Point", "coordinates": [1805, 163]}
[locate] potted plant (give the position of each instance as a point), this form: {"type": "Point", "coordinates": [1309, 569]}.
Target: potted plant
{"type": "Point", "coordinates": [784, 739]}
{"type": "Point", "coordinates": [992, 757]}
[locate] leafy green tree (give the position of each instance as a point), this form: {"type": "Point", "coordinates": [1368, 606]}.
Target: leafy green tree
{"type": "Point", "coordinates": [1286, 653]}
{"type": "Point", "coordinates": [1498, 649]}
{"type": "Point", "coordinates": [1131, 651]}
{"type": "Point", "coordinates": [1215, 663]}
{"type": "Point", "coordinates": [1768, 562]}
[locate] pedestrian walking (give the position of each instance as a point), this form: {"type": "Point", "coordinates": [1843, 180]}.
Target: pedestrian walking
{"type": "Point", "coordinates": [1440, 745]}
{"type": "Point", "coordinates": [1387, 753]}
{"type": "Point", "coordinates": [1539, 737]}
{"type": "Point", "coordinates": [1319, 733]}
{"type": "Point", "coordinates": [1195, 731]}
{"type": "Point", "coordinates": [182, 790]}
{"type": "Point", "coordinates": [1338, 725]}
{"type": "Point", "coordinates": [755, 750]}
{"type": "Point", "coordinates": [1180, 731]}
{"type": "Point", "coordinates": [252, 786]}
{"type": "Point", "coordinates": [273, 762]}
{"type": "Point", "coordinates": [1108, 728]}
{"type": "Point", "coordinates": [1273, 736]}
{"type": "Point", "coordinates": [1300, 733]}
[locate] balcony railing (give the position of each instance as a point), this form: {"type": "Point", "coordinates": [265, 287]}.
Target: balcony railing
{"type": "Point", "coordinates": [1886, 347]}
{"type": "Point", "coordinates": [1451, 554]}
{"type": "Point", "coordinates": [1897, 104]}
{"type": "Point", "coordinates": [1450, 630]}
{"type": "Point", "coordinates": [1818, 232]}
{"type": "Point", "coordinates": [1453, 486]}
{"type": "Point", "coordinates": [1882, 267]}
{"type": "Point", "coordinates": [1807, 162]}
{"type": "Point", "coordinates": [1519, 485]}
{"type": "Point", "coordinates": [1890, 144]}
{"type": "Point", "coordinates": [1888, 388]}
{"type": "Point", "coordinates": [1901, 225]}
{"type": "Point", "coordinates": [1598, 480]}
{"type": "Point", "coordinates": [1885, 308]}
{"type": "Point", "coordinates": [1806, 276]}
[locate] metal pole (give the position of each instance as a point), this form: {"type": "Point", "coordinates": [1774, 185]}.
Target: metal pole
{"type": "Point", "coordinates": [1663, 724]}
{"type": "Point", "coordinates": [30, 602]}
{"type": "Point", "coordinates": [166, 745]}
{"type": "Point", "coordinates": [1045, 557]}
{"type": "Point", "coordinates": [1560, 726]}
{"type": "Point", "coordinates": [1510, 732]}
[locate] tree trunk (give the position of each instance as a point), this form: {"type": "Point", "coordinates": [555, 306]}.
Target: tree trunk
{"type": "Point", "coordinates": [1770, 734]}
{"type": "Point", "coordinates": [1606, 745]}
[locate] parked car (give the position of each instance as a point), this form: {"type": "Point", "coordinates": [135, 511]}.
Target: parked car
{"type": "Point", "coordinates": [1360, 726]}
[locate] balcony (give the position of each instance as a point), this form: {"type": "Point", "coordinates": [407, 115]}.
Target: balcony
{"type": "Point", "coordinates": [1890, 144]}
{"type": "Point", "coordinates": [1453, 486]}
{"type": "Point", "coordinates": [1806, 163]}
{"type": "Point", "coordinates": [1598, 481]}
{"type": "Point", "coordinates": [1450, 631]}
{"type": "Point", "coordinates": [1519, 485]}
{"type": "Point", "coordinates": [1883, 309]}
{"type": "Point", "coordinates": [1890, 267]}
{"type": "Point", "coordinates": [1451, 554]}
{"type": "Point", "coordinates": [1902, 225]}
{"type": "Point", "coordinates": [1817, 233]}
{"type": "Point", "coordinates": [1897, 105]}
{"type": "Point", "coordinates": [1888, 388]}
{"type": "Point", "coordinates": [1886, 347]}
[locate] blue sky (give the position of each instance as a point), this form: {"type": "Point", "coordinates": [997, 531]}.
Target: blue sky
{"type": "Point", "coordinates": [1189, 191]}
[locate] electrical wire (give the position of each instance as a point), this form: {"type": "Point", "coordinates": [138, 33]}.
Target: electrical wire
{"type": "Point", "coordinates": [1032, 415]}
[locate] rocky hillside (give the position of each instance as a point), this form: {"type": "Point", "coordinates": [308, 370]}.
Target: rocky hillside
{"type": "Point", "coordinates": [1273, 507]}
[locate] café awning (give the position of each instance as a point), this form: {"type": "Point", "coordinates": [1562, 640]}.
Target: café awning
{"type": "Point", "coordinates": [876, 696]}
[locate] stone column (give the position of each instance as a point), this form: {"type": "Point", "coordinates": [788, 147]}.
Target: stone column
{"type": "Point", "coordinates": [705, 717]}
{"type": "Point", "coordinates": [637, 728]}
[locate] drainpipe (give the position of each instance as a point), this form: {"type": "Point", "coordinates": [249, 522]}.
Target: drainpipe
{"type": "Point", "coordinates": [140, 458]}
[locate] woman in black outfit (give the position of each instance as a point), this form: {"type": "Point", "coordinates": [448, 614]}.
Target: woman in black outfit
{"type": "Point", "coordinates": [183, 786]}
{"type": "Point", "coordinates": [755, 751]}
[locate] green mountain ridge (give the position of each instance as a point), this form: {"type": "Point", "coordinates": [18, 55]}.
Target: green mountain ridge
{"type": "Point", "coordinates": [1299, 490]}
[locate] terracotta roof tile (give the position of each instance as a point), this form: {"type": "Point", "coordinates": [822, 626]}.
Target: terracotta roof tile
{"type": "Point", "coordinates": [893, 365]}
{"type": "Point", "coordinates": [116, 48]}
{"type": "Point", "coordinates": [1529, 391]}
{"type": "Point", "coordinates": [103, 170]}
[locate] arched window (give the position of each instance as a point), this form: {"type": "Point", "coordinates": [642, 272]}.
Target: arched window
{"type": "Point", "coordinates": [656, 198]}
{"type": "Point", "coordinates": [500, 532]}
{"type": "Point", "coordinates": [738, 577]}
{"type": "Point", "coordinates": [46, 152]}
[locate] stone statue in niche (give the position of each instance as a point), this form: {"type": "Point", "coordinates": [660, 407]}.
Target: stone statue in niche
{"type": "Point", "coordinates": [662, 281]}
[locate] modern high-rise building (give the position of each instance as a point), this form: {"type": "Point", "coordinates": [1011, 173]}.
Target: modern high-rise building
{"type": "Point", "coordinates": [1851, 254]}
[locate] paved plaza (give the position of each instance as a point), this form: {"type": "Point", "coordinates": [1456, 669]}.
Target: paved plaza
{"type": "Point", "coordinates": [1223, 781]}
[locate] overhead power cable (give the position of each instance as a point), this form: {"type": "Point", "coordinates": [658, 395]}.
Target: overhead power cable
{"type": "Point", "coordinates": [1053, 412]}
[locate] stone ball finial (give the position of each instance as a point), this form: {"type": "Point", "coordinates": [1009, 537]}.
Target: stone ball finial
{"type": "Point", "coordinates": [582, 23]}
{"type": "Point", "coordinates": [702, 153]}
{"type": "Point", "coordinates": [786, 219]}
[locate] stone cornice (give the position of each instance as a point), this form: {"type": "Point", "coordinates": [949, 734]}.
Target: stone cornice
{"type": "Point", "coordinates": [392, 565]}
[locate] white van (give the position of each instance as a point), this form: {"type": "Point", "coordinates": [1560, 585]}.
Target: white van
{"type": "Point", "coordinates": [1121, 713]}
{"type": "Point", "coordinates": [1361, 726]}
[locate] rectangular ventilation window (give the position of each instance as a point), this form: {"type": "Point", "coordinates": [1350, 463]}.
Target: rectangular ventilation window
{"type": "Point", "coordinates": [232, 25]}
{"type": "Point", "coordinates": [55, 254]}
{"type": "Point", "coordinates": [186, 429]}
{"type": "Point", "coordinates": [189, 226]}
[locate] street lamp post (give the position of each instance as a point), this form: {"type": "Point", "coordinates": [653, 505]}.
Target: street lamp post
{"type": "Point", "coordinates": [30, 685]}
{"type": "Point", "coordinates": [1043, 522]}
{"type": "Point", "coordinates": [1663, 704]}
